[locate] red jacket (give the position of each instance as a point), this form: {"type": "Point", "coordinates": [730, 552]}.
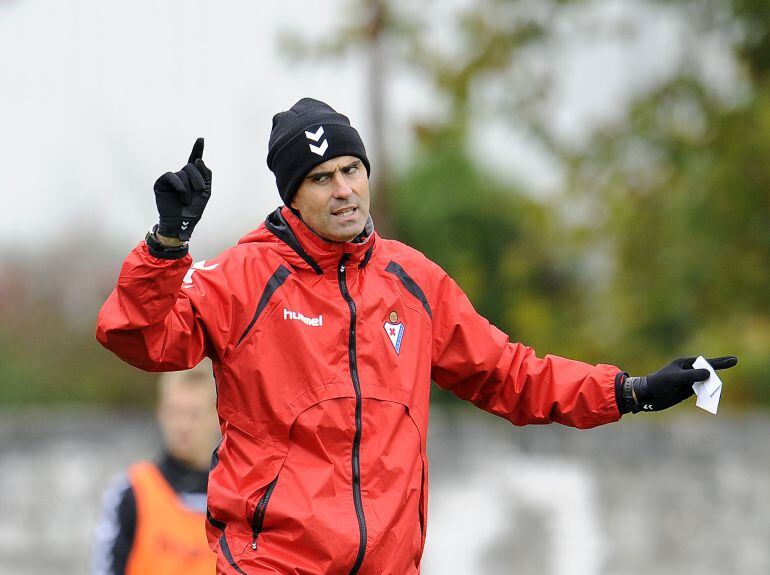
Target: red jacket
{"type": "Point", "coordinates": [323, 355]}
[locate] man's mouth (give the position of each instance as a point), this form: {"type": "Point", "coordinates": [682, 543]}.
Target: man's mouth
{"type": "Point", "coordinates": [344, 212]}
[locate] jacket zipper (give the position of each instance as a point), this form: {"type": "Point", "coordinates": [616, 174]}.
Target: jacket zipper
{"type": "Point", "coordinates": [357, 503]}
{"type": "Point", "coordinates": [259, 513]}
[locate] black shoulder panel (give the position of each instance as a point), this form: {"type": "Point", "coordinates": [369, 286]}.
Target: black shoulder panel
{"type": "Point", "coordinates": [367, 257]}
{"type": "Point", "coordinates": [409, 284]}
{"type": "Point", "coordinates": [275, 281]}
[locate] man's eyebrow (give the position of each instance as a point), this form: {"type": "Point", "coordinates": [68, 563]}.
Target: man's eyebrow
{"type": "Point", "coordinates": [353, 164]}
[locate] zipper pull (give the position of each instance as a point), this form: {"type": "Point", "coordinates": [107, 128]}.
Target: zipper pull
{"type": "Point", "coordinates": [254, 544]}
{"type": "Point", "coordinates": [342, 268]}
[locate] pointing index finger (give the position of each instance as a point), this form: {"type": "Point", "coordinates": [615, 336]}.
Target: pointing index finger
{"type": "Point", "coordinates": [197, 151]}
{"type": "Point", "coordinates": [723, 362]}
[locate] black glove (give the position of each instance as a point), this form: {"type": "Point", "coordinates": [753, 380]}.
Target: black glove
{"type": "Point", "coordinates": [181, 197]}
{"type": "Point", "coordinates": [667, 386]}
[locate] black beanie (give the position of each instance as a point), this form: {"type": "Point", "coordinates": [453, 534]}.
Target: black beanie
{"type": "Point", "coordinates": [306, 135]}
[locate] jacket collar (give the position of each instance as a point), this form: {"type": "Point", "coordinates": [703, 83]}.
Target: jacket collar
{"type": "Point", "coordinates": [317, 253]}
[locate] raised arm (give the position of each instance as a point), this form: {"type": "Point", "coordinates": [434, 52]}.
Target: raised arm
{"type": "Point", "coordinates": [149, 320]}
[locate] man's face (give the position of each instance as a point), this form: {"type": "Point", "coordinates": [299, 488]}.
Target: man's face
{"type": "Point", "coordinates": [333, 199]}
{"type": "Point", "coordinates": [188, 422]}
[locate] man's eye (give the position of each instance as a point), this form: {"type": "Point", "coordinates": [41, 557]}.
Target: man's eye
{"type": "Point", "coordinates": [320, 179]}
{"type": "Point", "coordinates": [350, 169]}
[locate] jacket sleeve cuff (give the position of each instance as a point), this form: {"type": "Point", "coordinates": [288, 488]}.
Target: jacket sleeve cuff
{"type": "Point", "coordinates": [620, 377]}
{"type": "Point", "coordinates": [158, 250]}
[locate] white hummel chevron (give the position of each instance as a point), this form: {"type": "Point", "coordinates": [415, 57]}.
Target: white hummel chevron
{"type": "Point", "coordinates": [317, 136]}
{"type": "Point", "coordinates": [314, 137]}
{"type": "Point", "coordinates": [319, 149]}
{"type": "Point", "coordinates": [201, 265]}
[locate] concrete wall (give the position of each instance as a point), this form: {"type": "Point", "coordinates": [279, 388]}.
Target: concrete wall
{"type": "Point", "coordinates": [674, 493]}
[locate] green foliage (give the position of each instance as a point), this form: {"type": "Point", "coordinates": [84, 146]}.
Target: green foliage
{"type": "Point", "coordinates": [685, 186]}
{"type": "Point", "coordinates": [663, 248]}
{"type": "Point", "coordinates": [48, 351]}
{"type": "Point", "coordinates": [688, 216]}
{"type": "Point", "coordinates": [67, 366]}
{"type": "Point", "coordinates": [506, 251]}
{"type": "Point", "coordinates": [674, 202]}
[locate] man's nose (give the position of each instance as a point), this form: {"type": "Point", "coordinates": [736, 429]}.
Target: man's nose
{"type": "Point", "coordinates": [341, 187]}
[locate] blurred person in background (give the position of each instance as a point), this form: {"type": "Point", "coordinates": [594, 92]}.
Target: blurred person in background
{"type": "Point", "coordinates": [153, 519]}
{"type": "Point", "coordinates": [324, 338]}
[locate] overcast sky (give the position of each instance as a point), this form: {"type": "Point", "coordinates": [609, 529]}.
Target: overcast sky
{"type": "Point", "coordinates": [97, 99]}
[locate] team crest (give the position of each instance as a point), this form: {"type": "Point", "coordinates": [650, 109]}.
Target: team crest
{"type": "Point", "coordinates": [395, 331]}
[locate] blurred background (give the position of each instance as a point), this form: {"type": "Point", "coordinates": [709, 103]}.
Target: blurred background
{"type": "Point", "coordinates": [594, 173]}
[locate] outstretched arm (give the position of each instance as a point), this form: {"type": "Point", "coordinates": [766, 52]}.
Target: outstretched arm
{"type": "Point", "coordinates": [478, 363]}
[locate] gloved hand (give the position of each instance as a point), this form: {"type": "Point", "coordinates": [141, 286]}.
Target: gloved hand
{"type": "Point", "coordinates": [667, 386]}
{"type": "Point", "coordinates": [182, 196]}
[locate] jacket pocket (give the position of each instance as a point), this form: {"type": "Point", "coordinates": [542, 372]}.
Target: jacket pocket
{"type": "Point", "coordinates": [258, 517]}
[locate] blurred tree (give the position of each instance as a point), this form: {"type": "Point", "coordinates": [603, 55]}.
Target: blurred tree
{"type": "Point", "coordinates": [450, 47]}
{"type": "Point", "coordinates": [663, 247]}
{"type": "Point", "coordinates": [668, 210]}
{"type": "Point", "coordinates": [682, 191]}
{"type": "Point", "coordinates": [498, 244]}
{"type": "Point", "coordinates": [442, 193]}
{"type": "Point", "coordinates": [507, 251]}
{"type": "Point", "coordinates": [48, 353]}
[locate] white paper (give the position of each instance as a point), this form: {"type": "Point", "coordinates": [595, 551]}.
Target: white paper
{"type": "Point", "coordinates": [708, 391]}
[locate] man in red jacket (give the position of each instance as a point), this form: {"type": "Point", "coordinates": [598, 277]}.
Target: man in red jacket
{"type": "Point", "coordinates": [324, 338]}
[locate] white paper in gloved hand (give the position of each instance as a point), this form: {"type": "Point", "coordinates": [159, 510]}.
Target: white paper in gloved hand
{"type": "Point", "coordinates": [708, 391]}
